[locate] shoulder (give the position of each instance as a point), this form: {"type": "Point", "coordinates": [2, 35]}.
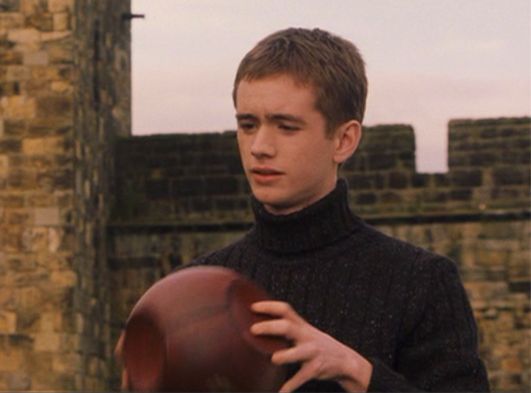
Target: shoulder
{"type": "Point", "coordinates": [415, 263]}
{"type": "Point", "coordinates": [401, 249]}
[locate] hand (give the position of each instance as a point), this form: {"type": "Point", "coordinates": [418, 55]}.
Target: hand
{"type": "Point", "coordinates": [322, 356]}
{"type": "Point", "coordinates": [118, 355]}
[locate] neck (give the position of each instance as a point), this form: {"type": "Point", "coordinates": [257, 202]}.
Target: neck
{"type": "Point", "coordinates": [320, 224]}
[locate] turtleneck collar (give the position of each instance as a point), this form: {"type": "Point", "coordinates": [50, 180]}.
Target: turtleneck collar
{"type": "Point", "coordinates": [313, 227]}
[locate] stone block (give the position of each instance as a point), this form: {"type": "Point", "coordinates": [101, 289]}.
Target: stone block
{"type": "Point", "coordinates": [12, 200]}
{"type": "Point", "coordinates": [15, 73]}
{"type": "Point", "coordinates": [398, 180]}
{"type": "Point", "coordinates": [10, 5]}
{"type": "Point", "coordinates": [55, 106]}
{"type": "Point", "coordinates": [43, 146]}
{"type": "Point", "coordinates": [14, 128]}
{"type": "Point", "coordinates": [55, 237]}
{"type": "Point", "coordinates": [18, 179]}
{"type": "Point", "coordinates": [18, 107]}
{"type": "Point", "coordinates": [34, 239]}
{"type": "Point", "coordinates": [47, 216]}
{"type": "Point", "coordinates": [64, 278]}
{"type": "Point", "coordinates": [8, 322]}
{"type": "Point", "coordinates": [60, 52]}
{"type": "Point", "coordinates": [484, 159]}
{"type": "Point", "coordinates": [48, 73]}
{"type": "Point", "coordinates": [51, 321]}
{"type": "Point", "coordinates": [366, 198]}
{"type": "Point", "coordinates": [11, 359]}
{"type": "Point", "coordinates": [24, 36]}
{"type": "Point", "coordinates": [40, 21]}
{"type": "Point", "coordinates": [69, 363]}
{"type": "Point", "coordinates": [441, 179]}
{"type": "Point", "coordinates": [510, 176]}
{"type": "Point", "coordinates": [61, 21]}
{"type": "Point", "coordinates": [38, 58]}
{"type": "Point", "coordinates": [18, 217]}
{"type": "Point", "coordinates": [420, 180]}
{"type": "Point", "coordinates": [55, 35]}
{"type": "Point", "coordinates": [43, 127]}
{"type": "Point", "coordinates": [11, 20]}
{"type": "Point", "coordinates": [378, 161]}
{"type": "Point", "coordinates": [40, 199]}
{"type": "Point", "coordinates": [466, 178]}
{"type": "Point", "coordinates": [9, 89]}
{"type": "Point", "coordinates": [62, 87]}
{"type": "Point", "coordinates": [29, 7]}
{"type": "Point", "coordinates": [10, 58]}
{"type": "Point", "coordinates": [391, 198]}
{"type": "Point", "coordinates": [47, 341]}
{"type": "Point", "coordinates": [434, 196]}
{"type": "Point", "coordinates": [61, 5]}
{"type": "Point", "coordinates": [3, 166]}
{"type": "Point", "coordinates": [18, 381]}
{"type": "Point", "coordinates": [221, 185]}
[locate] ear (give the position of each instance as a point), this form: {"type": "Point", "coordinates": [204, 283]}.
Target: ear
{"type": "Point", "coordinates": [347, 139]}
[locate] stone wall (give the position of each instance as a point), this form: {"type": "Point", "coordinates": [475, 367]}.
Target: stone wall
{"type": "Point", "coordinates": [90, 217]}
{"type": "Point", "coordinates": [59, 109]}
{"type": "Point", "coordinates": [102, 114]}
{"type": "Point", "coordinates": [179, 196]}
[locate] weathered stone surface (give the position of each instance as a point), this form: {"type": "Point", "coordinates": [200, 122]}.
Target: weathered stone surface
{"type": "Point", "coordinates": [42, 146]}
{"type": "Point", "coordinates": [38, 58]}
{"type": "Point", "coordinates": [29, 7]}
{"type": "Point", "coordinates": [41, 21]}
{"type": "Point", "coordinates": [18, 381]}
{"type": "Point", "coordinates": [60, 5]}
{"type": "Point", "coordinates": [8, 322]}
{"type": "Point", "coordinates": [45, 216]}
{"type": "Point", "coordinates": [18, 107]}
{"type": "Point", "coordinates": [61, 21]}
{"type": "Point", "coordinates": [54, 106]}
{"type": "Point", "coordinates": [47, 342]}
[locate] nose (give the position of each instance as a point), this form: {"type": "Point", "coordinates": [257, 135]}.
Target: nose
{"type": "Point", "coordinates": [263, 144]}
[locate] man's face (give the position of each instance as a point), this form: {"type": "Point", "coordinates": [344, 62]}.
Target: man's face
{"type": "Point", "coordinates": [287, 157]}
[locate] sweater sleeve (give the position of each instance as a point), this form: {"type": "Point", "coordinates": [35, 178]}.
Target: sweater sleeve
{"type": "Point", "coordinates": [439, 352]}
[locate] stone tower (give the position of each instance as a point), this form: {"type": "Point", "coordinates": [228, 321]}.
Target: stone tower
{"type": "Point", "coordinates": [64, 99]}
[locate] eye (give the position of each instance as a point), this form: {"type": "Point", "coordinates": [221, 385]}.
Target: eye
{"type": "Point", "coordinates": [287, 127]}
{"type": "Point", "coordinates": [246, 126]}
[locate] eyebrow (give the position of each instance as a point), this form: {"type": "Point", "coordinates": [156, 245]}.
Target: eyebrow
{"type": "Point", "coordinates": [245, 116]}
{"type": "Point", "coordinates": [274, 117]}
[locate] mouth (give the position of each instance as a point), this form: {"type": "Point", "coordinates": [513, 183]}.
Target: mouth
{"type": "Point", "coordinates": [265, 174]}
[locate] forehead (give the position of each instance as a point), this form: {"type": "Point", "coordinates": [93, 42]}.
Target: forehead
{"type": "Point", "coordinates": [276, 92]}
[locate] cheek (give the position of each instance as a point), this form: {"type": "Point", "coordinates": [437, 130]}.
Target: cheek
{"type": "Point", "coordinates": [243, 150]}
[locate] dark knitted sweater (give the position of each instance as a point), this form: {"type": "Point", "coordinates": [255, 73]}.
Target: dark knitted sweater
{"type": "Point", "coordinates": [401, 307]}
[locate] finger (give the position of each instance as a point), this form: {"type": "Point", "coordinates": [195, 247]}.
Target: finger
{"type": "Point", "coordinates": [299, 353]}
{"type": "Point", "coordinates": [124, 385]}
{"type": "Point", "coordinates": [275, 327]}
{"type": "Point", "coordinates": [118, 349]}
{"type": "Point", "coordinates": [300, 378]}
{"type": "Point", "coordinates": [272, 307]}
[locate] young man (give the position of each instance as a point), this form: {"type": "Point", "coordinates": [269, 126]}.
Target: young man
{"type": "Point", "coordinates": [364, 312]}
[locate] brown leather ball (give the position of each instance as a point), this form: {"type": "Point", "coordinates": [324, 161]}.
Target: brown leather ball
{"type": "Point", "coordinates": [190, 332]}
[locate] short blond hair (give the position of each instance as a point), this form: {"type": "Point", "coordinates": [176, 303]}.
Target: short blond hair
{"type": "Point", "coordinates": [330, 64]}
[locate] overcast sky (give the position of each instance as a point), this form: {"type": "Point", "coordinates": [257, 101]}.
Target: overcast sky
{"type": "Point", "coordinates": [428, 61]}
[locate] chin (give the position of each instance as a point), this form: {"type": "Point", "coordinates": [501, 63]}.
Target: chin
{"type": "Point", "coordinates": [276, 205]}
{"type": "Point", "coordinates": [270, 198]}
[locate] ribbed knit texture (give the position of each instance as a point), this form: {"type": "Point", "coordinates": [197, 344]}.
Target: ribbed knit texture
{"type": "Point", "coordinates": [400, 306]}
